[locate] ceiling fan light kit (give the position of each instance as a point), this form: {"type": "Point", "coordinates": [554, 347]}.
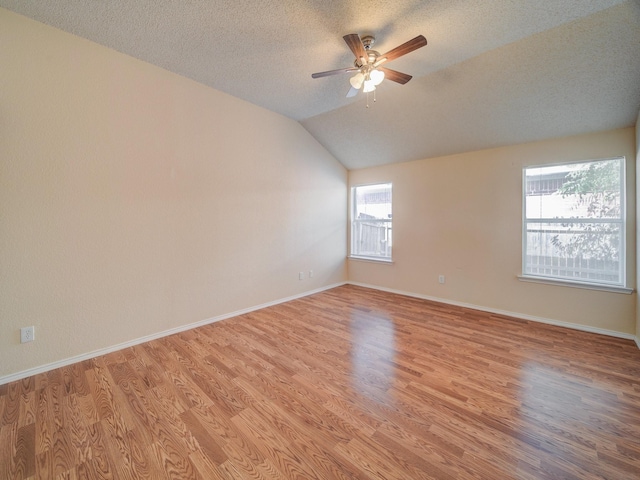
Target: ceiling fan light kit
{"type": "Point", "coordinates": [369, 73]}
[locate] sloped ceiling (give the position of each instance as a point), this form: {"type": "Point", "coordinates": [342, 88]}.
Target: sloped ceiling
{"type": "Point", "coordinates": [495, 72]}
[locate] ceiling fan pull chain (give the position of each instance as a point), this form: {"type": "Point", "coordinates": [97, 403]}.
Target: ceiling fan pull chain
{"type": "Point", "coordinates": [367, 99]}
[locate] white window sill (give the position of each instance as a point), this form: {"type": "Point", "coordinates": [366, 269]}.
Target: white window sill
{"type": "Point", "coordinates": [385, 261]}
{"type": "Point", "coordinates": [573, 284]}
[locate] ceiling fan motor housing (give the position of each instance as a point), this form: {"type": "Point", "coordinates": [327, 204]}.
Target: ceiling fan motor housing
{"type": "Point", "coordinates": [372, 55]}
{"type": "Point", "coordinates": [367, 41]}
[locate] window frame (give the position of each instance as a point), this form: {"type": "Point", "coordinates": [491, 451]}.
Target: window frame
{"type": "Point", "coordinates": [353, 221]}
{"type": "Point", "coordinates": [620, 287]}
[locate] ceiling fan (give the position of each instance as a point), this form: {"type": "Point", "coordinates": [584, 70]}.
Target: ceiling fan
{"type": "Point", "coordinates": [368, 63]}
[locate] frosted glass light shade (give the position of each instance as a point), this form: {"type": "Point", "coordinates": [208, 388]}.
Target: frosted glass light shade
{"type": "Point", "coordinates": [356, 80]}
{"type": "Point", "coordinates": [377, 76]}
{"type": "Point", "coordinates": [369, 86]}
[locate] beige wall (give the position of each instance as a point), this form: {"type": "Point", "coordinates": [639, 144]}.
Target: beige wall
{"type": "Point", "coordinates": [133, 201]}
{"type": "Point", "coordinates": [461, 216]}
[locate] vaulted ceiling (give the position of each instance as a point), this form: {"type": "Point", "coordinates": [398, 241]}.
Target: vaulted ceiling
{"type": "Point", "coordinates": [494, 72]}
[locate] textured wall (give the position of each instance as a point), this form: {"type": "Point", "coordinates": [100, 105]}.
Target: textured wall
{"type": "Point", "coordinates": [133, 201]}
{"type": "Point", "coordinates": [461, 216]}
{"type": "Point", "coordinates": [638, 225]}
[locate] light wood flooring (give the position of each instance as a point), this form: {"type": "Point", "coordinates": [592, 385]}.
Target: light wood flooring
{"type": "Point", "coordinates": [350, 383]}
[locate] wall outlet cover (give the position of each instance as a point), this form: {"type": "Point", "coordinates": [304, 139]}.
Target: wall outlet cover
{"type": "Point", "coordinates": [27, 334]}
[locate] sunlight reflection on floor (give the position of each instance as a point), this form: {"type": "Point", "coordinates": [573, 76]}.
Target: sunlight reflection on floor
{"type": "Point", "coordinates": [372, 354]}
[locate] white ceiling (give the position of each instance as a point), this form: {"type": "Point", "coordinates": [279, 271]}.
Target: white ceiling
{"type": "Point", "coordinates": [495, 72]}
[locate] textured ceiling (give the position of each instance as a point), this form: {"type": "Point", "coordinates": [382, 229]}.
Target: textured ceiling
{"type": "Point", "coordinates": [495, 72]}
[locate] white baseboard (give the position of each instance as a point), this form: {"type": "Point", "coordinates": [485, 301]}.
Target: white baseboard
{"type": "Point", "coordinates": [549, 321]}
{"type": "Point", "coordinates": [103, 351]}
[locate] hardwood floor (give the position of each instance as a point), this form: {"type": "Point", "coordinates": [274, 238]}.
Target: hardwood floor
{"type": "Point", "coordinates": [350, 383]}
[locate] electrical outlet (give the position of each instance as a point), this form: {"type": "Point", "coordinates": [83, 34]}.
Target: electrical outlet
{"type": "Point", "coordinates": [440, 278]}
{"type": "Point", "coordinates": [27, 334]}
{"type": "Point", "coordinates": [310, 273]}
{"type": "Point", "coordinates": [301, 276]}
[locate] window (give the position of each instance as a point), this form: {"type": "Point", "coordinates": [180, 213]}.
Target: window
{"type": "Point", "coordinates": [371, 221]}
{"type": "Point", "coordinates": [574, 222]}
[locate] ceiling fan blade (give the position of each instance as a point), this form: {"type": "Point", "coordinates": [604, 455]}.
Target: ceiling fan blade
{"type": "Point", "coordinates": [355, 45]}
{"type": "Point", "coordinates": [352, 92]}
{"type": "Point", "coordinates": [334, 72]}
{"type": "Point", "coordinates": [405, 48]}
{"type": "Point", "coordinates": [395, 76]}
